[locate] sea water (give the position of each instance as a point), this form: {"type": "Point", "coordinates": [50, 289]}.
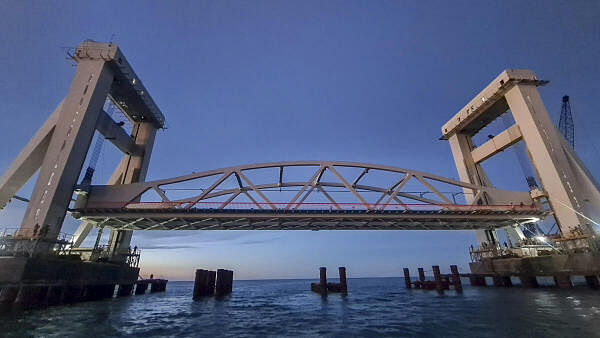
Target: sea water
{"type": "Point", "coordinates": [373, 307]}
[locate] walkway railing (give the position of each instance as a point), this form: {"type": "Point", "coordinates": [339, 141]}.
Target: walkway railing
{"type": "Point", "coordinates": [22, 242]}
{"type": "Point", "coordinates": [315, 206]}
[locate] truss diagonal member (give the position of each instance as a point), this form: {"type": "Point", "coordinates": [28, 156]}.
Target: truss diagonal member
{"type": "Point", "coordinates": [304, 197]}
{"type": "Point", "coordinates": [477, 196]}
{"type": "Point", "coordinates": [328, 197]}
{"type": "Point", "coordinates": [234, 221]}
{"type": "Point", "coordinates": [292, 223]}
{"type": "Point", "coordinates": [399, 187]}
{"type": "Point", "coordinates": [257, 191]}
{"type": "Point", "coordinates": [263, 222]}
{"type": "Point", "coordinates": [310, 182]}
{"type": "Point", "coordinates": [364, 172]}
{"type": "Point", "coordinates": [249, 224]}
{"type": "Point", "coordinates": [185, 223]}
{"type": "Point", "coordinates": [401, 203]}
{"type": "Point", "coordinates": [192, 224]}
{"type": "Point", "coordinates": [161, 193]}
{"type": "Point", "coordinates": [349, 187]}
{"type": "Point", "coordinates": [252, 199]}
{"type": "Point", "coordinates": [131, 223]}
{"type": "Point", "coordinates": [433, 190]}
{"type": "Point", "coordinates": [231, 198]}
{"type": "Point", "coordinates": [239, 181]}
{"type": "Point", "coordinates": [156, 224]}
{"type": "Point", "coordinates": [211, 188]}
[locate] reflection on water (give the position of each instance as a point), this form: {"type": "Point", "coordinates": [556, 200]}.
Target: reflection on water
{"type": "Point", "coordinates": [373, 307]}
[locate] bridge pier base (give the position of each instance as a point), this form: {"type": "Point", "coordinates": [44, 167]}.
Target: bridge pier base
{"type": "Point", "coordinates": [27, 283]}
{"type": "Point", "coordinates": [30, 297]}
{"type": "Point", "coordinates": [141, 287]}
{"type": "Point", "coordinates": [559, 266]}
{"type": "Point", "coordinates": [7, 298]}
{"type": "Point", "coordinates": [563, 281]}
{"type": "Point", "coordinates": [55, 295]}
{"type": "Point", "coordinates": [528, 281]}
{"type": "Point", "coordinates": [125, 290]}
{"type": "Point", "coordinates": [502, 281]}
{"type": "Point", "coordinates": [477, 280]}
{"type": "Point", "coordinates": [592, 282]}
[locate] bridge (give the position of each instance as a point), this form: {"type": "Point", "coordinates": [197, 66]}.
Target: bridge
{"type": "Point", "coordinates": [305, 195]}
{"type": "Point", "coordinates": [391, 207]}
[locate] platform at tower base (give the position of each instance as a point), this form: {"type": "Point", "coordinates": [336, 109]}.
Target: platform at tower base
{"type": "Point", "coordinates": [35, 282]}
{"type": "Point", "coordinates": [562, 267]}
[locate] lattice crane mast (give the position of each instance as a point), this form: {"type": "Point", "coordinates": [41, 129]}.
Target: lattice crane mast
{"type": "Point", "coordinates": [565, 123]}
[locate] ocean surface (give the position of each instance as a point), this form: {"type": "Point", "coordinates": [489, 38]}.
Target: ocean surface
{"type": "Point", "coordinates": [373, 307]}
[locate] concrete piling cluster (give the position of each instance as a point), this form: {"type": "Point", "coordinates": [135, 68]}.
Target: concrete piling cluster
{"type": "Point", "coordinates": [324, 288]}
{"type": "Point", "coordinates": [26, 297]}
{"type": "Point", "coordinates": [210, 283]}
{"type": "Point", "coordinates": [440, 282]}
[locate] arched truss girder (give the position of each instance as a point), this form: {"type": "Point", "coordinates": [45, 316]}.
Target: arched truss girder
{"type": "Point", "coordinates": [390, 193]}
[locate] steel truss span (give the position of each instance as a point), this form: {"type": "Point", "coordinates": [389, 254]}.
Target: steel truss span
{"type": "Point", "coordinates": [329, 198]}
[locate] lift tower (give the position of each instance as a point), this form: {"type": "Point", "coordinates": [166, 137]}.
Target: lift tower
{"type": "Point", "coordinates": [58, 150]}
{"type": "Point", "coordinates": [571, 191]}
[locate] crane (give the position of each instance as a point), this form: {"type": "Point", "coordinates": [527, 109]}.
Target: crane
{"type": "Point", "coordinates": [565, 123]}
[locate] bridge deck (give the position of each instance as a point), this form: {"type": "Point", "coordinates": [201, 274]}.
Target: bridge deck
{"type": "Point", "coordinates": [280, 219]}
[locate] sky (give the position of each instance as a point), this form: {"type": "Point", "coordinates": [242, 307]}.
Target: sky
{"type": "Point", "coordinates": [244, 82]}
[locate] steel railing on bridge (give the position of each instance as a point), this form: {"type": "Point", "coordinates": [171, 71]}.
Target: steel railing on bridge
{"type": "Point", "coordinates": [313, 206]}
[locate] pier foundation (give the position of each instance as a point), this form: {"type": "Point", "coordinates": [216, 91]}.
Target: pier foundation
{"type": "Point", "coordinates": [202, 286]}
{"type": "Point", "coordinates": [477, 280]}
{"type": "Point", "coordinates": [528, 281]}
{"type": "Point", "coordinates": [125, 290]}
{"type": "Point", "coordinates": [343, 283]}
{"type": "Point", "coordinates": [455, 278]}
{"type": "Point", "coordinates": [27, 283]}
{"type": "Point", "coordinates": [502, 281]}
{"type": "Point", "coordinates": [141, 287]}
{"type": "Point", "coordinates": [7, 297]}
{"type": "Point", "coordinates": [437, 276]}
{"type": "Point", "coordinates": [592, 282]}
{"type": "Point", "coordinates": [224, 284]}
{"type": "Point", "coordinates": [421, 275]}
{"type": "Point", "coordinates": [559, 266]}
{"type": "Point", "coordinates": [563, 281]}
{"type": "Point", "coordinates": [56, 294]}
{"type": "Point", "coordinates": [407, 278]}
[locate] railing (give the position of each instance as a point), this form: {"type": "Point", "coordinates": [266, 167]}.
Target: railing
{"type": "Point", "coordinates": [23, 242]}
{"type": "Point", "coordinates": [489, 251]}
{"type": "Point", "coordinates": [102, 253]}
{"type": "Point", "coordinates": [311, 206]}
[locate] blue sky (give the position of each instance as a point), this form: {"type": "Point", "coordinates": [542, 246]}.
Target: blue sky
{"type": "Point", "coordinates": [244, 82]}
